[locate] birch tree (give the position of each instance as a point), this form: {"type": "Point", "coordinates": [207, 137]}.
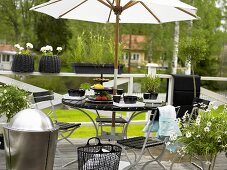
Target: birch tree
{"type": "Point", "coordinates": [175, 50]}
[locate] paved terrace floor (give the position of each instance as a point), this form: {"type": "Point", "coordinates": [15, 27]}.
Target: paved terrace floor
{"type": "Point", "coordinates": [68, 154]}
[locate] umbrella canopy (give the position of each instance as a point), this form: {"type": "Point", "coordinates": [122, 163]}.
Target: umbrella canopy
{"type": "Point", "coordinates": [103, 11]}
{"type": "Point", "coordinates": [116, 11]}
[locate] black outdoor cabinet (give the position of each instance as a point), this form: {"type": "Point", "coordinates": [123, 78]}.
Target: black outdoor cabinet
{"type": "Point", "coordinates": [183, 92]}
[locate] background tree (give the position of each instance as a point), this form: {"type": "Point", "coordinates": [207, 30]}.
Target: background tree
{"type": "Point", "coordinates": [206, 28]}
{"type": "Point", "coordinates": [27, 20]}
{"type": "Point", "coordinates": [51, 31]}
{"type": "Point", "coordinates": [17, 18]}
{"type": "Point", "coordinates": [19, 25]}
{"type": "Point", "coordinates": [9, 16]}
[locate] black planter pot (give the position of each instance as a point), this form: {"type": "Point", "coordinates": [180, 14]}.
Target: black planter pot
{"type": "Point", "coordinates": [152, 96]}
{"type": "Point", "coordinates": [49, 64]}
{"type": "Point", "coordinates": [130, 99]}
{"type": "Point", "coordinates": [117, 98]}
{"type": "Point", "coordinates": [76, 92]}
{"type": "Point", "coordinates": [2, 142]}
{"type": "Point", "coordinates": [22, 63]}
{"type": "Point", "coordinates": [85, 68]}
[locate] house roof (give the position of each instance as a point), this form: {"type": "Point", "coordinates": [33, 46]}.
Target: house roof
{"type": "Point", "coordinates": [137, 42]}
{"type": "Point", "coordinates": [7, 49]}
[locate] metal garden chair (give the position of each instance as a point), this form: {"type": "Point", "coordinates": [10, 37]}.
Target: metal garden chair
{"type": "Point", "coordinates": [143, 143]}
{"type": "Point", "coordinates": [65, 129]}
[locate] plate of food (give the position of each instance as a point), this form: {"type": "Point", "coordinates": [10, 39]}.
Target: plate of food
{"type": "Point", "coordinates": [100, 100]}
{"type": "Point", "coordinates": [100, 87]}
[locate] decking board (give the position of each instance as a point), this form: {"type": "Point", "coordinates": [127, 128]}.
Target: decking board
{"type": "Point", "coordinates": [68, 154]}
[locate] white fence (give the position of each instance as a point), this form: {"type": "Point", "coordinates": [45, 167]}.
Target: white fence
{"type": "Point", "coordinates": [129, 78]}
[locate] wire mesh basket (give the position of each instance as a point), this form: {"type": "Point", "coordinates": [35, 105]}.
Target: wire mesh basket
{"type": "Point", "coordinates": [99, 156]}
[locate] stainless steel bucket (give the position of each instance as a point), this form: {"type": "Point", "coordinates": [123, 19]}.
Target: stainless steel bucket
{"type": "Point", "coordinates": [30, 141]}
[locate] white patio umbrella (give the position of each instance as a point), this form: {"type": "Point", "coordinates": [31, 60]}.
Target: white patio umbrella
{"type": "Point", "coordinates": [116, 11]}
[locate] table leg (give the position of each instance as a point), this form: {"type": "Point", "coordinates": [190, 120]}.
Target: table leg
{"type": "Point", "coordinates": [133, 115]}
{"type": "Point", "coordinates": [96, 129]}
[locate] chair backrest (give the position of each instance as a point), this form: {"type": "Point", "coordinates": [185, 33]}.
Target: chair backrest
{"type": "Point", "coordinates": [198, 104]}
{"type": "Point", "coordinates": [201, 103]}
{"type": "Point", "coordinates": [165, 121]}
{"type": "Point", "coordinates": [155, 112]}
{"type": "Point", "coordinates": [45, 96]}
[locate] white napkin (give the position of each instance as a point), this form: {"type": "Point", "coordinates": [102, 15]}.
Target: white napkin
{"type": "Point", "coordinates": [122, 104]}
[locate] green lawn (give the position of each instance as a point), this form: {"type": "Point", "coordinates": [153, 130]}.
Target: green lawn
{"type": "Point", "coordinates": [89, 131]}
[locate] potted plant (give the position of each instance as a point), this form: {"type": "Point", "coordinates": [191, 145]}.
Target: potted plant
{"type": "Point", "coordinates": [50, 63]}
{"type": "Point", "coordinates": [12, 100]}
{"type": "Point", "coordinates": [206, 136]}
{"type": "Point", "coordinates": [85, 86]}
{"type": "Point", "coordinates": [94, 54]}
{"type": "Point", "coordinates": [23, 62]}
{"type": "Point", "coordinates": [193, 51]}
{"type": "Point", "coordinates": [150, 84]}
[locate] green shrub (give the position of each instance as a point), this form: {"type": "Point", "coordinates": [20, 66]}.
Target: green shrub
{"type": "Point", "coordinates": [12, 100]}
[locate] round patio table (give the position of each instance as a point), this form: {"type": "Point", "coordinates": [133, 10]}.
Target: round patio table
{"type": "Point", "coordinates": [85, 104]}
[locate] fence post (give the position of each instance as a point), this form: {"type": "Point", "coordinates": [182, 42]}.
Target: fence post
{"type": "Point", "coordinates": [151, 68]}
{"type": "Point", "coordinates": [130, 85]}
{"type": "Point", "coordinates": [130, 91]}
{"type": "Point", "coordinates": [170, 91]}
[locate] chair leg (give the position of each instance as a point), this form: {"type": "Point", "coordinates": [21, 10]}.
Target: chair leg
{"type": "Point", "coordinates": [157, 159]}
{"type": "Point", "coordinates": [137, 159]}
{"type": "Point", "coordinates": [70, 142]}
{"type": "Point", "coordinates": [66, 138]}
{"type": "Point", "coordinates": [127, 157]}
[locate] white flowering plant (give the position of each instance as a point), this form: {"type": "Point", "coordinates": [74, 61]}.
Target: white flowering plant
{"type": "Point", "coordinates": [206, 135]}
{"type": "Point", "coordinates": [24, 51]}
{"type": "Point", "coordinates": [12, 100]}
{"type": "Point", "coordinates": [48, 50]}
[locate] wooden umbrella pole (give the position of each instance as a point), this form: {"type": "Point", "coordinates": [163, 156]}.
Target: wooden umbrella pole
{"type": "Point", "coordinates": [115, 68]}
{"type": "Point", "coordinates": [116, 54]}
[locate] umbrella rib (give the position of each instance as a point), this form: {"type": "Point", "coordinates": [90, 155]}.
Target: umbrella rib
{"type": "Point", "coordinates": [151, 12]}
{"type": "Point", "coordinates": [129, 4]}
{"type": "Point", "coordinates": [111, 9]}
{"type": "Point", "coordinates": [106, 4]}
{"type": "Point", "coordinates": [60, 16]}
{"type": "Point", "coordinates": [118, 2]}
{"type": "Point", "coordinates": [189, 13]}
{"type": "Point", "coordinates": [111, 4]}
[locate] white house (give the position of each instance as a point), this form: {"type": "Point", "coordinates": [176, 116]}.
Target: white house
{"type": "Point", "coordinates": [6, 56]}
